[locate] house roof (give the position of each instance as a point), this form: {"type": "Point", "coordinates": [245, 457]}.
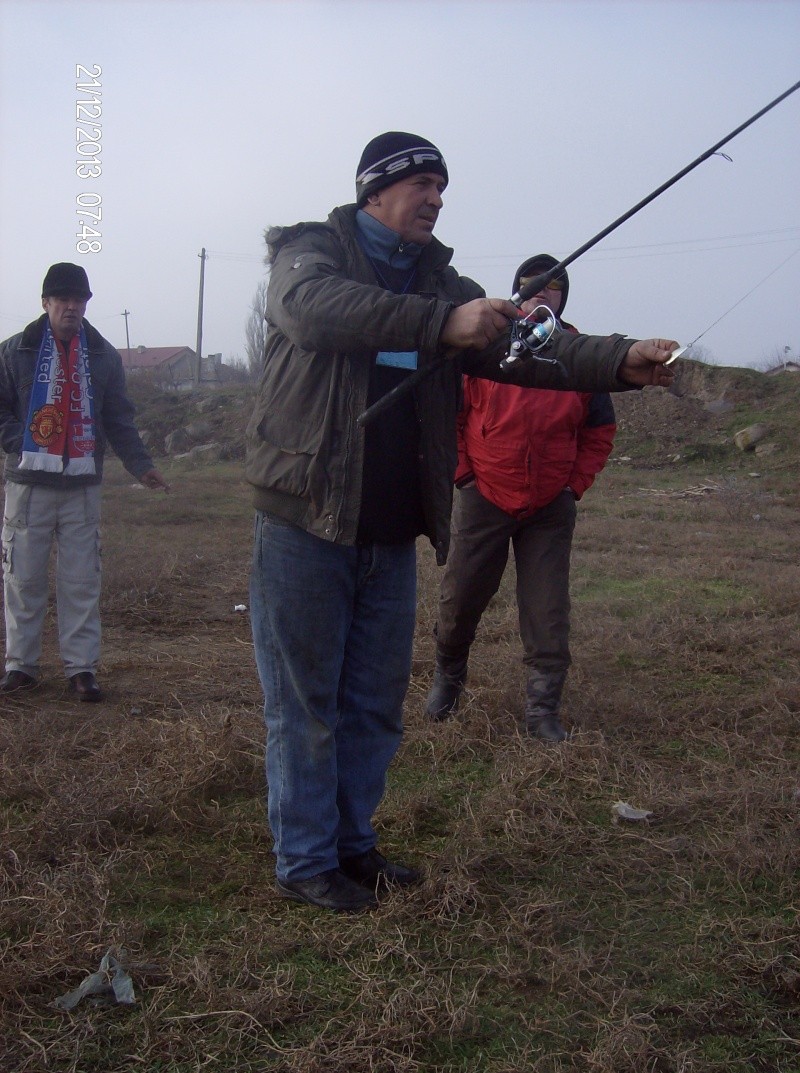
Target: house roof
{"type": "Point", "coordinates": [144, 357]}
{"type": "Point", "coordinates": [786, 367]}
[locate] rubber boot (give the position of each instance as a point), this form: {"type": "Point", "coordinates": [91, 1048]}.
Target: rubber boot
{"type": "Point", "coordinates": [542, 704]}
{"type": "Point", "coordinates": [449, 678]}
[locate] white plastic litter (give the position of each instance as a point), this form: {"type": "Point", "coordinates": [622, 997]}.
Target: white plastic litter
{"type": "Point", "coordinates": [623, 811]}
{"type": "Point", "coordinates": [110, 982]}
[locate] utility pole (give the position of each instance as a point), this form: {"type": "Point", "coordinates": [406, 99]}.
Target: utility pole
{"type": "Point", "coordinates": [126, 313]}
{"type": "Point", "coordinates": [199, 372]}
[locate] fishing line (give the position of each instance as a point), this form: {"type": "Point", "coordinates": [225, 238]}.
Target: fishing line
{"type": "Point", "coordinates": [740, 300]}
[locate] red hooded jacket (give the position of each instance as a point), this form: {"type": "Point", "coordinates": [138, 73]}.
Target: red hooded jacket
{"type": "Point", "coordinates": [523, 446]}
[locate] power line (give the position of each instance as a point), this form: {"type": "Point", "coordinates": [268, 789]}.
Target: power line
{"type": "Point", "coordinates": [242, 258]}
{"type": "Point", "coordinates": [790, 233]}
{"type": "Point", "coordinates": [713, 238]}
{"type": "Point", "coordinates": [688, 253]}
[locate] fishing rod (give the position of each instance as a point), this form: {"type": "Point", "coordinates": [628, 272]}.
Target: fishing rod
{"type": "Point", "coordinates": [534, 285]}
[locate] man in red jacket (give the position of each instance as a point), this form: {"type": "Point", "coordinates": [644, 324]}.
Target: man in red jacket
{"type": "Point", "coordinates": [525, 457]}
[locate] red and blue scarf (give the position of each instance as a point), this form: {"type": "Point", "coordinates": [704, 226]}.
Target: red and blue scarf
{"type": "Point", "coordinates": [59, 434]}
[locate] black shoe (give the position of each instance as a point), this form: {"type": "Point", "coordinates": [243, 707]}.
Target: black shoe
{"type": "Point", "coordinates": [85, 685]}
{"type": "Point", "coordinates": [372, 870]}
{"type": "Point", "coordinates": [15, 681]}
{"type": "Point", "coordinates": [328, 890]}
{"type": "Point", "coordinates": [547, 728]}
{"type": "Point", "coordinates": [445, 693]}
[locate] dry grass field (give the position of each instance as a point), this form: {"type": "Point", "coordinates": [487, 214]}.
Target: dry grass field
{"type": "Point", "coordinates": [547, 938]}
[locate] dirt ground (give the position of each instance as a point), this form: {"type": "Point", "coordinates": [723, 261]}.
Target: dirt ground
{"type": "Point", "coordinates": [546, 938]}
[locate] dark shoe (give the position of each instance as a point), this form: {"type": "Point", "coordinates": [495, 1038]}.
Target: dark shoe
{"type": "Point", "coordinates": [542, 704]}
{"type": "Point", "coordinates": [547, 728]}
{"type": "Point", "coordinates": [85, 685]}
{"type": "Point", "coordinates": [443, 698]}
{"type": "Point", "coordinates": [372, 870]}
{"type": "Point", "coordinates": [15, 681]}
{"type": "Point", "coordinates": [449, 678]}
{"type": "Point", "coordinates": [328, 890]}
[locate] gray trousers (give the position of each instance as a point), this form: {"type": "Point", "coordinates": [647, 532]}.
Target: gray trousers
{"type": "Point", "coordinates": [480, 538]}
{"type": "Point", "coordinates": [35, 516]}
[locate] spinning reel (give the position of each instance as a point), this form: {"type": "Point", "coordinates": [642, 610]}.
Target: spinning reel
{"type": "Point", "coordinates": [530, 335]}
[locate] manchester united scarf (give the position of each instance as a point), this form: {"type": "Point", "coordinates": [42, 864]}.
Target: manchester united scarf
{"type": "Point", "coordinates": [59, 434]}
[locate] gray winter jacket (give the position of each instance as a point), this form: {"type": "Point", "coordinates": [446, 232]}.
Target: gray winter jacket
{"type": "Point", "coordinates": [113, 411]}
{"type": "Point", "coordinates": [327, 316]}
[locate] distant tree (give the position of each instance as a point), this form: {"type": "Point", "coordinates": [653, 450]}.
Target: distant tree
{"type": "Point", "coordinates": [255, 332]}
{"type": "Point", "coordinates": [238, 370]}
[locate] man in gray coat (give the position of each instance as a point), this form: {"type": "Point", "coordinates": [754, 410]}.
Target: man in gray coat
{"type": "Point", "coordinates": [62, 396]}
{"type": "Point", "coordinates": [354, 306]}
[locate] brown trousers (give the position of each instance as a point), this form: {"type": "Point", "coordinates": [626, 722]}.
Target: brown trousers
{"type": "Point", "coordinates": [480, 537]}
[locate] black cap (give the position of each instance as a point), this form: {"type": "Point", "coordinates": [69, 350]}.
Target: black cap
{"type": "Point", "coordinates": [65, 279]}
{"type": "Point", "coordinates": [393, 156]}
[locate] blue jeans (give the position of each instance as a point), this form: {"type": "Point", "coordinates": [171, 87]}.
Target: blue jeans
{"type": "Point", "coordinates": [333, 628]}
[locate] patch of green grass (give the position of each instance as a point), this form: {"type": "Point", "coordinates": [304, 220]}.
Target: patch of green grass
{"type": "Point", "coordinates": [629, 661]}
{"type": "Point", "coordinates": [675, 748]}
{"type": "Point", "coordinates": [716, 454]}
{"type": "Point", "coordinates": [702, 683]}
{"type": "Point", "coordinates": [449, 783]}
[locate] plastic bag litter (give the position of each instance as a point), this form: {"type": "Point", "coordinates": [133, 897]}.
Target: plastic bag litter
{"type": "Point", "coordinates": [623, 811]}
{"type": "Point", "coordinates": [111, 982]}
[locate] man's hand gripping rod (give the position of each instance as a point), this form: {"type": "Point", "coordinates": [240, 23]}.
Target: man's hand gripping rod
{"type": "Point", "coordinates": [534, 285]}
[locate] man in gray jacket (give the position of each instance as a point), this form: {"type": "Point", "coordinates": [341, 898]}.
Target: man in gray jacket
{"type": "Point", "coordinates": [62, 396]}
{"type": "Point", "coordinates": [354, 306]}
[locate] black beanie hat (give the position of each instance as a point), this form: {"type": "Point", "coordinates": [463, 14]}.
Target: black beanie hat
{"type": "Point", "coordinates": [393, 156]}
{"type": "Point", "coordinates": [64, 279]}
{"type": "Point", "coordinates": [534, 266]}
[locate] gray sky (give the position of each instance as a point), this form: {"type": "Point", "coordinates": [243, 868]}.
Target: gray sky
{"type": "Point", "coordinates": [219, 119]}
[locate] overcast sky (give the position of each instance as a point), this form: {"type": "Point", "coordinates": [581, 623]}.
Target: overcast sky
{"type": "Point", "coordinates": [219, 119]}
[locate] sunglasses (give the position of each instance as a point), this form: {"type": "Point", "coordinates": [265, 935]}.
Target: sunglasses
{"type": "Point", "coordinates": [553, 285]}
